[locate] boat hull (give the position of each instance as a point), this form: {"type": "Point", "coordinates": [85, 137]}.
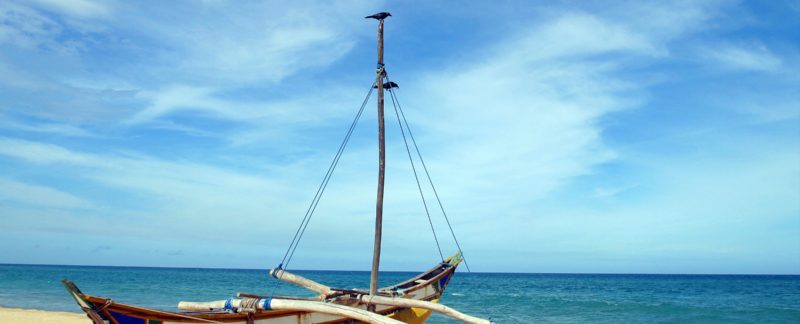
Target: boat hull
{"type": "Point", "coordinates": [428, 286]}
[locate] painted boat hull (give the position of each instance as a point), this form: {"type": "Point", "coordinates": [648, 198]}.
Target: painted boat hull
{"type": "Point", "coordinates": [428, 286]}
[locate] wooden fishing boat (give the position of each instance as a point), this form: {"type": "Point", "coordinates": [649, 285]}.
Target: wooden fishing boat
{"type": "Point", "coordinates": [410, 301]}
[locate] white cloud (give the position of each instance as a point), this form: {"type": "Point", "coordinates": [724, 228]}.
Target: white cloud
{"type": "Point", "coordinates": [24, 25]}
{"type": "Point", "coordinates": [279, 40]}
{"type": "Point", "coordinates": [132, 170]}
{"type": "Point", "coordinates": [710, 215]}
{"type": "Point", "coordinates": [747, 58]}
{"type": "Point", "coordinates": [178, 98]}
{"type": "Point", "coordinates": [275, 121]}
{"type": "Point", "coordinates": [41, 153]}
{"type": "Point", "coordinates": [7, 122]}
{"type": "Point", "coordinates": [180, 63]}
{"type": "Point", "coordinates": [578, 34]}
{"type": "Point", "coordinates": [764, 109]}
{"type": "Point", "coordinates": [26, 28]}
{"type": "Point", "coordinates": [521, 123]}
{"type": "Point", "coordinates": [38, 196]}
{"type": "Point", "coordinates": [605, 192]}
{"type": "Point", "coordinates": [76, 8]}
{"type": "Point", "coordinates": [668, 20]}
{"type": "Point", "coordinates": [180, 189]}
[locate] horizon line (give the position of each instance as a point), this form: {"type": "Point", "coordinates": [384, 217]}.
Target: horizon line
{"type": "Point", "coordinates": [405, 271]}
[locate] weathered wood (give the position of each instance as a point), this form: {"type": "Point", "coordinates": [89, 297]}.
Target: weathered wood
{"type": "Point", "coordinates": [207, 306]}
{"type": "Point", "coordinates": [376, 251]}
{"type": "Point", "coordinates": [333, 309]}
{"type": "Point", "coordinates": [301, 281]}
{"type": "Point", "coordinates": [294, 305]}
{"type": "Point", "coordinates": [439, 308]}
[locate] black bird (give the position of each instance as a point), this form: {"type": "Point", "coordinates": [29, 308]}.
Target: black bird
{"type": "Point", "coordinates": [380, 15]}
{"type": "Point", "coordinates": [389, 85]}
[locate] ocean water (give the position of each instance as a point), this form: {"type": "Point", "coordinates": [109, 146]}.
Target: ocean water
{"type": "Point", "coordinates": [506, 298]}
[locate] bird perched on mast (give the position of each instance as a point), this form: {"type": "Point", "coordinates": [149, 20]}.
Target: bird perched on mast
{"type": "Point", "coordinates": [388, 85]}
{"type": "Point", "coordinates": [380, 15]}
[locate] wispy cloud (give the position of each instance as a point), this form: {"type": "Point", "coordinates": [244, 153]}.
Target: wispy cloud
{"type": "Point", "coordinates": [10, 123]}
{"type": "Point", "coordinates": [179, 98]}
{"type": "Point", "coordinates": [281, 40]}
{"type": "Point", "coordinates": [746, 58]}
{"type": "Point", "coordinates": [24, 27]}
{"type": "Point", "coordinates": [605, 192]}
{"type": "Point", "coordinates": [528, 118]}
{"type": "Point", "coordinates": [579, 34]}
{"type": "Point", "coordinates": [76, 8]}
{"type": "Point", "coordinates": [181, 189]}
{"type": "Point", "coordinates": [181, 60]}
{"type": "Point", "coordinates": [174, 100]}
{"type": "Point", "coordinates": [38, 196]}
{"type": "Point", "coordinates": [41, 153]}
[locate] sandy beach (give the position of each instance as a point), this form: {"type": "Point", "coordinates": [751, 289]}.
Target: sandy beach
{"type": "Point", "coordinates": [24, 316]}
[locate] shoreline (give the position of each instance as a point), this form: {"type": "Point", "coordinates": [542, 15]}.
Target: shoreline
{"type": "Point", "coordinates": [24, 316]}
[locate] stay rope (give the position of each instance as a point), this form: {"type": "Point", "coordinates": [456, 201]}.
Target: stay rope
{"type": "Point", "coordinates": [427, 174]}
{"type": "Point", "coordinates": [403, 123]}
{"type": "Point", "coordinates": [413, 168]}
{"type": "Point", "coordinates": [298, 235]}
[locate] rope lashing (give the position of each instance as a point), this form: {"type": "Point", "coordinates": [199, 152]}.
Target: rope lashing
{"type": "Point", "coordinates": [248, 305]}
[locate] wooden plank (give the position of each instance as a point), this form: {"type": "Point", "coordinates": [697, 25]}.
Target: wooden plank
{"type": "Point", "coordinates": [439, 308]}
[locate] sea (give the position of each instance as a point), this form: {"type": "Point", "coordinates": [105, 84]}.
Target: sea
{"type": "Point", "coordinates": [502, 297]}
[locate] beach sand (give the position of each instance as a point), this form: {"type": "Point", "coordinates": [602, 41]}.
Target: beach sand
{"type": "Point", "coordinates": [25, 316]}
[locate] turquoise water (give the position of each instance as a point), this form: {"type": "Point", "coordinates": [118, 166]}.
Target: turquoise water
{"type": "Point", "coordinates": [506, 298]}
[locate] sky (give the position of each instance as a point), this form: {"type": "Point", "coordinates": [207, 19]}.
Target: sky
{"type": "Point", "coordinates": [562, 136]}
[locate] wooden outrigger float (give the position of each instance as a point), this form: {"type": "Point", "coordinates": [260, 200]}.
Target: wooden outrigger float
{"type": "Point", "coordinates": [411, 301]}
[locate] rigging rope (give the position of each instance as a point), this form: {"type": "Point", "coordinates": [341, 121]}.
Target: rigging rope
{"type": "Point", "coordinates": [298, 235]}
{"type": "Point", "coordinates": [424, 167]}
{"type": "Point", "coordinates": [413, 168]}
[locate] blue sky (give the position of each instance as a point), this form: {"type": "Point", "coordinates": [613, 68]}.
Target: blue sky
{"type": "Point", "coordinates": [635, 137]}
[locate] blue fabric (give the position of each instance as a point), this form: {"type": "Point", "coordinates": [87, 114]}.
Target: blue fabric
{"type": "Point", "coordinates": [125, 319]}
{"type": "Point", "coordinates": [228, 304]}
{"type": "Point", "coordinates": [265, 303]}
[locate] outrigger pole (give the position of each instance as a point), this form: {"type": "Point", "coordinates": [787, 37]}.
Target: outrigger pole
{"type": "Point", "coordinates": [380, 75]}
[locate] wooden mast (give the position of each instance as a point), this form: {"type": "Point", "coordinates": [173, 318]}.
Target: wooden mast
{"type": "Point", "coordinates": [376, 254]}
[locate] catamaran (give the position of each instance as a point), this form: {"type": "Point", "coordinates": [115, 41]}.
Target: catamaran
{"type": "Point", "coordinates": [410, 301]}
